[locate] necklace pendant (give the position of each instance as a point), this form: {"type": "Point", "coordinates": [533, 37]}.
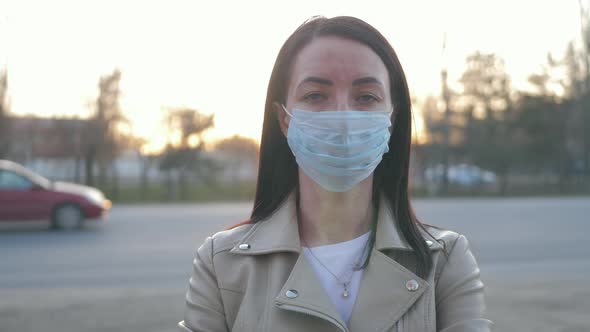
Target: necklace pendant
{"type": "Point", "coordinates": [345, 292]}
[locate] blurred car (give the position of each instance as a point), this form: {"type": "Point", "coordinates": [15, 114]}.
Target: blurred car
{"type": "Point", "coordinates": [26, 195]}
{"type": "Point", "coordinates": [463, 175]}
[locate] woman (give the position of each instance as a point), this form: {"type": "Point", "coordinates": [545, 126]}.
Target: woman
{"type": "Point", "coordinates": [332, 243]}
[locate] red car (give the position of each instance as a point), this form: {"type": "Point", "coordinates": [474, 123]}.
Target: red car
{"type": "Point", "coordinates": [25, 195]}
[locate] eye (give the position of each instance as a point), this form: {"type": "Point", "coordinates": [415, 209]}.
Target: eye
{"type": "Point", "coordinates": [314, 97]}
{"type": "Point", "coordinates": [367, 98]}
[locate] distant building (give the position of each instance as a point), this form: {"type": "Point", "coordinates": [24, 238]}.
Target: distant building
{"type": "Point", "coordinates": [50, 146]}
{"type": "Point", "coordinates": [233, 167]}
{"type": "Point", "coordinates": [46, 137]}
{"type": "Point", "coordinates": [54, 147]}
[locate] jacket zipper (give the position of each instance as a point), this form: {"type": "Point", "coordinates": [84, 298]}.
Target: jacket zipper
{"type": "Point", "coordinates": [305, 310]}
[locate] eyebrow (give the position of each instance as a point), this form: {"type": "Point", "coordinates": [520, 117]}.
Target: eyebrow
{"type": "Point", "coordinates": [319, 80]}
{"type": "Point", "coordinates": [366, 80]}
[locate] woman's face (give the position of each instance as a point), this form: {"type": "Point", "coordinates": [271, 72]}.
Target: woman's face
{"type": "Point", "coordinates": [333, 73]}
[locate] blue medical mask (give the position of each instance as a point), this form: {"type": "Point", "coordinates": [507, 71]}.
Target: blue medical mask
{"type": "Point", "coordinates": [338, 149]}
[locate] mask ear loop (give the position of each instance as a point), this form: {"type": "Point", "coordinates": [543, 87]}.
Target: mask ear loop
{"type": "Point", "coordinates": [390, 110]}
{"type": "Point", "coordinates": [291, 115]}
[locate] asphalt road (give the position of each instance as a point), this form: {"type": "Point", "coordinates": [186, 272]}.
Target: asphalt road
{"type": "Point", "coordinates": [130, 273]}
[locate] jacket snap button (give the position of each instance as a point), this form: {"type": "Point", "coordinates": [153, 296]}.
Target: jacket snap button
{"type": "Point", "coordinates": [412, 285]}
{"type": "Point", "coordinates": [291, 293]}
{"type": "Point", "coordinates": [244, 246]}
{"type": "Point", "coordinates": [429, 243]}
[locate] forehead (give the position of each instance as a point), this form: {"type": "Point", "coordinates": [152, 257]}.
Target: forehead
{"type": "Point", "coordinates": [338, 59]}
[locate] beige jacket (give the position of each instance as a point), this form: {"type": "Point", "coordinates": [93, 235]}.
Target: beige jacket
{"type": "Point", "coordinates": [253, 278]}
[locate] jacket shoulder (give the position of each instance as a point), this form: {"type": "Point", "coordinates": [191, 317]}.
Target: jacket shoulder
{"type": "Point", "coordinates": [446, 236]}
{"type": "Point", "coordinates": [227, 239]}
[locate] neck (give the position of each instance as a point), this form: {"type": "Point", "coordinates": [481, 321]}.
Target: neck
{"type": "Point", "coordinates": [329, 217]}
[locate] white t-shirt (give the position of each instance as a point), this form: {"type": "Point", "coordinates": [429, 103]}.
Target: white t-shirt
{"type": "Point", "coordinates": [339, 258]}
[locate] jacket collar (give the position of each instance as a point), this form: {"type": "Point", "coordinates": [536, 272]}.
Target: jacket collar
{"type": "Point", "coordinates": [383, 298]}
{"type": "Point", "coordinates": [280, 232]}
{"type": "Point", "coordinates": [387, 288]}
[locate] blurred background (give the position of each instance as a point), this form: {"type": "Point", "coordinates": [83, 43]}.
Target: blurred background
{"type": "Point", "coordinates": [133, 127]}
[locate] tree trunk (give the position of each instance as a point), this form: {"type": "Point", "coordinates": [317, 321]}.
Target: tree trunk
{"type": "Point", "coordinates": [115, 183]}
{"type": "Point", "coordinates": [170, 186]}
{"type": "Point", "coordinates": [89, 167]}
{"type": "Point", "coordinates": [182, 184]}
{"type": "Point", "coordinates": [143, 186]}
{"type": "Point", "coordinates": [77, 171]}
{"type": "Point", "coordinates": [102, 170]}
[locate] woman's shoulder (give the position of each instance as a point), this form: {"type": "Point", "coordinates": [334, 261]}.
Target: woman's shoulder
{"type": "Point", "coordinates": [447, 236]}
{"type": "Point", "coordinates": [228, 238]}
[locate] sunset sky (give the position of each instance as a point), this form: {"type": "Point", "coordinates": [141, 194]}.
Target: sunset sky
{"type": "Point", "coordinates": [216, 56]}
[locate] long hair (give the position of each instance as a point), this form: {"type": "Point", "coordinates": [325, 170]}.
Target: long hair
{"type": "Point", "coordinates": [278, 171]}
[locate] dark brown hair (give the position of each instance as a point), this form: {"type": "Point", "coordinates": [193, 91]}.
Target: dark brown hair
{"type": "Point", "coordinates": [278, 173]}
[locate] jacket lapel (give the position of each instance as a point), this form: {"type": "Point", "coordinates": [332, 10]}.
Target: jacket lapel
{"type": "Point", "coordinates": [302, 292]}
{"type": "Point", "coordinates": [280, 233]}
{"type": "Point", "coordinates": [387, 288]}
{"type": "Point", "coordinates": [384, 295]}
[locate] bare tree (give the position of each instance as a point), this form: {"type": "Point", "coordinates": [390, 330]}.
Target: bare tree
{"type": "Point", "coordinates": [488, 107]}
{"type": "Point", "coordinates": [240, 152]}
{"type": "Point", "coordinates": [584, 102]}
{"type": "Point", "coordinates": [148, 162]}
{"type": "Point", "coordinates": [183, 157]}
{"type": "Point", "coordinates": [102, 143]}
